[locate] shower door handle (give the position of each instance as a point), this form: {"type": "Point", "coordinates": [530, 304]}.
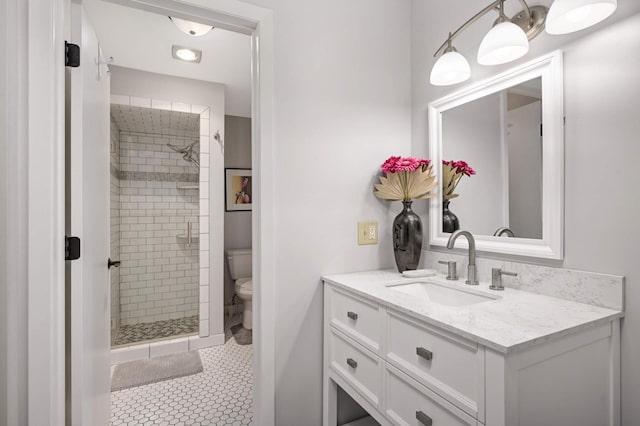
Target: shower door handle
{"type": "Point", "coordinates": [111, 263]}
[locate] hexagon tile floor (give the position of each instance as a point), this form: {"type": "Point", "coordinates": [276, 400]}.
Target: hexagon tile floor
{"type": "Point", "coordinates": [220, 395]}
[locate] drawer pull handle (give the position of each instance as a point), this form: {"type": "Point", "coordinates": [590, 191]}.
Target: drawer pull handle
{"type": "Point", "coordinates": [352, 363]}
{"type": "Point", "coordinates": [352, 315]}
{"type": "Point", "coordinates": [424, 353]}
{"type": "Point", "coordinates": [423, 418]}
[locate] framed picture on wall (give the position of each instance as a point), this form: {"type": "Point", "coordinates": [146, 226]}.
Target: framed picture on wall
{"type": "Point", "coordinates": [238, 189]}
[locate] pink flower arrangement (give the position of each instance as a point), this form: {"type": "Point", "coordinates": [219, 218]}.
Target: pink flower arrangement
{"type": "Point", "coordinates": [404, 164]}
{"type": "Point", "coordinates": [460, 166]}
{"type": "Point", "coordinates": [452, 172]}
{"type": "Point", "coordinates": [405, 178]}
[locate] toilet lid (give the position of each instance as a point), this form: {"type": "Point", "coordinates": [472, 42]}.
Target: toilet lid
{"type": "Point", "coordinates": [245, 284]}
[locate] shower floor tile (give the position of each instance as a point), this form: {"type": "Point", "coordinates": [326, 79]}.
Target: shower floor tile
{"type": "Point", "coordinates": [221, 395]}
{"type": "Point", "coordinates": [157, 330]}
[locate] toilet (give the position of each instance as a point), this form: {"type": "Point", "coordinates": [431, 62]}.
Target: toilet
{"type": "Point", "coordinates": [239, 261]}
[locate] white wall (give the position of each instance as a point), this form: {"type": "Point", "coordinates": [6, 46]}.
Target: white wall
{"type": "Point", "coordinates": [144, 84]}
{"type": "Point", "coordinates": [341, 107]}
{"type": "Point", "coordinates": [602, 207]}
{"type": "Point", "coordinates": [237, 224]}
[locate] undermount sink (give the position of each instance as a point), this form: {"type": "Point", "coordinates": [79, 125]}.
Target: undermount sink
{"type": "Point", "coordinates": [440, 294]}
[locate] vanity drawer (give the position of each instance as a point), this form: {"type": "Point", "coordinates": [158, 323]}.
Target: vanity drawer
{"type": "Point", "coordinates": [357, 366]}
{"type": "Point", "coordinates": [357, 318]}
{"type": "Point", "coordinates": [410, 403]}
{"type": "Point", "coordinates": [447, 364]}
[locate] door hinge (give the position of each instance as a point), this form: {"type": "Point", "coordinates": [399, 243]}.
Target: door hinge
{"type": "Point", "coordinates": [71, 248]}
{"type": "Point", "coordinates": [71, 55]}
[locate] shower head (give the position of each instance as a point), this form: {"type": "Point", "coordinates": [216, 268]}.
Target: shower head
{"type": "Point", "coordinates": [187, 152]}
{"type": "Point", "coordinates": [181, 149]}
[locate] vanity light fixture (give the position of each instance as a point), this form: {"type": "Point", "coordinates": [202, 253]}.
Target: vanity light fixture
{"type": "Point", "coordinates": [186, 54]}
{"type": "Point", "coordinates": [450, 68]}
{"type": "Point", "coordinates": [194, 29]}
{"type": "Point", "coordinates": [567, 16]}
{"type": "Point", "coordinates": [505, 42]}
{"type": "Point", "coordinates": [509, 39]}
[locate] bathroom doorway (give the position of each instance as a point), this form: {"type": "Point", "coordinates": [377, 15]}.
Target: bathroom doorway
{"type": "Point", "coordinates": [45, 222]}
{"type": "Point", "coordinates": [168, 153]}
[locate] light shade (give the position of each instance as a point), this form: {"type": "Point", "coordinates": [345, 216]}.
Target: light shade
{"type": "Point", "coordinates": [450, 68]}
{"type": "Point", "coordinates": [567, 16]}
{"type": "Point", "coordinates": [505, 42]}
{"type": "Point", "coordinates": [191, 28]}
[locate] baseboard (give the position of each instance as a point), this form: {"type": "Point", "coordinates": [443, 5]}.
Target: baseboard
{"type": "Point", "coordinates": [197, 342]}
{"type": "Point", "coordinates": [130, 353]}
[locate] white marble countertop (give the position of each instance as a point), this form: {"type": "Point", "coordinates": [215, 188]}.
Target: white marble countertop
{"type": "Point", "coordinates": [515, 320]}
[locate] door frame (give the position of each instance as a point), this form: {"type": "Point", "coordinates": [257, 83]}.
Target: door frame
{"type": "Point", "coordinates": [36, 143]}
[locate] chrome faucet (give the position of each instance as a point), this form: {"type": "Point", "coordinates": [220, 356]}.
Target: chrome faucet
{"type": "Point", "coordinates": [471, 269]}
{"type": "Point", "coordinates": [496, 278]}
{"type": "Point", "coordinates": [504, 230]}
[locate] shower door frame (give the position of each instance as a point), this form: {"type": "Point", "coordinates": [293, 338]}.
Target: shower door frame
{"type": "Point", "coordinates": [38, 145]}
{"type": "Point", "coordinates": [210, 277]}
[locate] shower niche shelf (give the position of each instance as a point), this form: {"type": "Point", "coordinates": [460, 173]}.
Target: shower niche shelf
{"type": "Point", "coordinates": [188, 187]}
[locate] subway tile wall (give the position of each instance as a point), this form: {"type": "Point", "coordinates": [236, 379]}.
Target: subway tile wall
{"type": "Point", "coordinates": [115, 224]}
{"type": "Point", "coordinates": [133, 116]}
{"type": "Point", "coordinates": [159, 276]}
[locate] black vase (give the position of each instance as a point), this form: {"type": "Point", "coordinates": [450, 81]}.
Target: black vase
{"type": "Point", "coordinates": [450, 221]}
{"type": "Point", "coordinates": [407, 238]}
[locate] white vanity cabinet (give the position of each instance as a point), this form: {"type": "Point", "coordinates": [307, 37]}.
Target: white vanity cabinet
{"type": "Point", "coordinates": [404, 370]}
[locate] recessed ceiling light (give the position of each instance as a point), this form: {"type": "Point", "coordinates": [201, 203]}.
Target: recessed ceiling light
{"type": "Point", "coordinates": [194, 29]}
{"type": "Point", "coordinates": [186, 54]}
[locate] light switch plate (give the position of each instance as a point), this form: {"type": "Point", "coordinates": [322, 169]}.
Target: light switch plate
{"type": "Point", "coordinates": [367, 233]}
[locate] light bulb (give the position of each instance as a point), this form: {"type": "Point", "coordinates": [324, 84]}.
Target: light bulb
{"type": "Point", "coordinates": [186, 54]}
{"type": "Point", "coordinates": [505, 42]}
{"type": "Point", "coordinates": [568, 16]}
{"type": "Point", "coordinates": [450, 68]}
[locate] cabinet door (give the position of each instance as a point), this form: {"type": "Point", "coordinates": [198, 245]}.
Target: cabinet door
{"type": "Point", "coordinates": [571, 380]}
{"type": "Point", "coordinates": [411, 404]}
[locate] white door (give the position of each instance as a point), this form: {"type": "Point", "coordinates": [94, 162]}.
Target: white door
{"type": "Point", "coordinates": [525, 171]}
{"type": "Point", "coordinates": [88, 216]}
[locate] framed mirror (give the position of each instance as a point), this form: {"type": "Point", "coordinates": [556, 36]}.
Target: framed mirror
{"type": "Point", "coordinates": [509, 129]}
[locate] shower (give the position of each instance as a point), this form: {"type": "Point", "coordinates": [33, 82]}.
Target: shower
{"type": "Point", "coordinates": [155, 212]}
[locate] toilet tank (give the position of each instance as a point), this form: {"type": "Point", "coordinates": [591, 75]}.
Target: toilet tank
{"type": "Point", "coordinates": [239, 261]}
